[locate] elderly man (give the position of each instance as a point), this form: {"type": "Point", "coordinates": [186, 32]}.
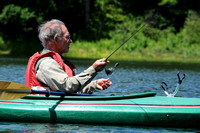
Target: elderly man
{"type": "Point", "coordinates": [49, 70]}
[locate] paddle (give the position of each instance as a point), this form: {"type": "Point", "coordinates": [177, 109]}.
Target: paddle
{"type": "Point", "coordinates": [12, 91]}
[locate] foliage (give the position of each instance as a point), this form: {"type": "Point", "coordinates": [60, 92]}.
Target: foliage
{"type": "Point", "coordinates": [100, 26]}
{"type": "Point", "coordinates": [15, 20]}
{"type": "Point", "coordinates": [18, 22]}
{"type": "Point", "coordinates": [2, 44]}
{"type": "Point", "coordinates": [191, 31]}
{"type": "Point", "coordinates": [106, 14]}
{"type": "Point", "coordinates": [148, 43]}
{"type": "Point", "coordinates": [171, 2]}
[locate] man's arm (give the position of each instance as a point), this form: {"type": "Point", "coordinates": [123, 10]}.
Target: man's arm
{"type": "Point", "coordinates": [50, 73]}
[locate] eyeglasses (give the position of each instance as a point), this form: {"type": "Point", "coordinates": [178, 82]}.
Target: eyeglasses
{"type": "Point", "coordinates": [68, 37]}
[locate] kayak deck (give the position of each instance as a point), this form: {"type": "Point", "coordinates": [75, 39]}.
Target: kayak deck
{"type": "Point", "coordinates": [143, 109]}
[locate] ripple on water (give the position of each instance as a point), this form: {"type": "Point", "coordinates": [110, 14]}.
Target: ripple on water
{"type": "Point", "coordinates": [128, 78]}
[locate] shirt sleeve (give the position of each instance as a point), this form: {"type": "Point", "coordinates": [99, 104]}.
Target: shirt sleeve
{"type": "Point", "coordinates": [90, 88]}
{"type": "Point", "coordinates": [51, 73]}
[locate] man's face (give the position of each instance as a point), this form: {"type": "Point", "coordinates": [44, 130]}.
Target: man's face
{"type": "Point", "coordinates": [63, 45]}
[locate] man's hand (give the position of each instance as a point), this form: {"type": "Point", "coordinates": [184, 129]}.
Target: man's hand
{"type": "Point", "coordinates": [103, 84]}
{"type": "Point", "coordinates": [100, 64]}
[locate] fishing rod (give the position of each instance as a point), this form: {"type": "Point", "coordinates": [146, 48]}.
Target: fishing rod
{"type": "Point", "coordinates": [110, 70]}
{"type": "Point", "coordinates": [125, 41]}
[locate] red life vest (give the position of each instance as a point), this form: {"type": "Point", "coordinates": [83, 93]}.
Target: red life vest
{"type": "Point", "coordinates": [31, 79]}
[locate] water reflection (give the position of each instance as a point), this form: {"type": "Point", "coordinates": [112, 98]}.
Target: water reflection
{"type": "Point", "coordinates": [81, 128]}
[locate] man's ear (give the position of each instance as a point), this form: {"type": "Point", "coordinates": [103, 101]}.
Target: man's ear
{"type": "Point", "coordinates": [55, 38]}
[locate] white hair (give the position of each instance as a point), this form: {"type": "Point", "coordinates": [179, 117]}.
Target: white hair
{"type": "Point", "coordinates": [48, 30]}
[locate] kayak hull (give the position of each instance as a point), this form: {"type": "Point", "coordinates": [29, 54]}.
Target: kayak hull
{"type": "Point", "coordinates": [144, 109]}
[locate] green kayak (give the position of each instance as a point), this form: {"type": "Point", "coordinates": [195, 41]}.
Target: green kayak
{"type": "Point", "coordinates": [143, 109]}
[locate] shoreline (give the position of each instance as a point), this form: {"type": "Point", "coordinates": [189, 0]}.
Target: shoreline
{"type": "Point", "coordinates": [120, 56]}
{"type": "Point", "coordinates": [134, 59]}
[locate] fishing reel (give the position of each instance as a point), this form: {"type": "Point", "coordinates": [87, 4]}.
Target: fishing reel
{"type": "Point", "coordinates": [110, 70]}
{"type": "Point", "coordinates": [177, 87]}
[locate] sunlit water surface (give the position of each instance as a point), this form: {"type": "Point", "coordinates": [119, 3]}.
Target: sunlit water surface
{"type": "Point", "coordinates": [128, 78]}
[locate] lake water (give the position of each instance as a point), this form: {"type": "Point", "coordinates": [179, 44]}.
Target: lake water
{"type": "Point", "coordinates": [128, 78]}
